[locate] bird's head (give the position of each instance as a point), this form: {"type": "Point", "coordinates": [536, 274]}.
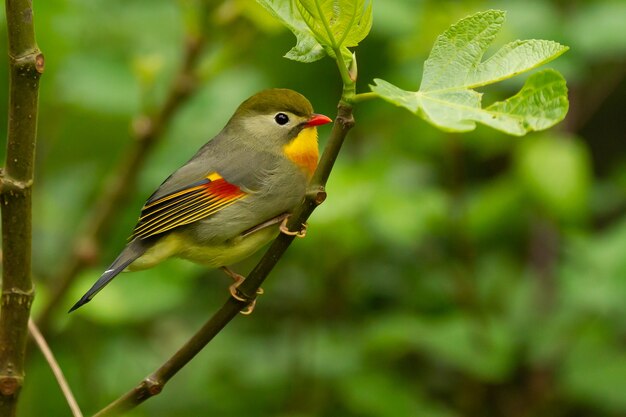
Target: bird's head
{"type": "Point", "coordinates": [280, 120]}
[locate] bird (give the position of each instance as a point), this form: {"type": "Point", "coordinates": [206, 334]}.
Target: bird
{"type": "Point", "coordinates": [233, 196]}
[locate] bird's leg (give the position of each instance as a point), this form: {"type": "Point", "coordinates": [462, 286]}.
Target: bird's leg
{"type": "Point", "coordinates": [267, 223]}
{"type": "Point", "coordinates": [285, 230]}
{"type": "Point", "coordinates": [237, 295]}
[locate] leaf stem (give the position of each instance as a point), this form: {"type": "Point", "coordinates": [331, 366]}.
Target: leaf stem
{"type": "Point", "coordinates": [349, 85]}
{"type": "Point", "coordinates": [358, 98]}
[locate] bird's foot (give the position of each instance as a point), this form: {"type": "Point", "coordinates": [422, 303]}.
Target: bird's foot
{"type": "Point", "coordinates": [238, 295]}
{"type": "Point", "coordinates": [298, 233]}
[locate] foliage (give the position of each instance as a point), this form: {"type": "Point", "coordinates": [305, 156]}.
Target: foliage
{"type": "Point", "coordinates": [445, 275]}
{"type": "Point", "coordinates": [321, 26]}
{"type": "Point", "coordinates": [447, 99]}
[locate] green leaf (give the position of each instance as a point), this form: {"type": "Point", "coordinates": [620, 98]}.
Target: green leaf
{"type": "Point", "coordinates": [337, 24]}
{"type": "Point", "coordinates": [455, 60]}
{"type": "Point", "coordinates": [307, 48]}
{"type": "Point", "coordinates": [322, 26]}
{"type": "Point", "coordinates": [540, 104]}
{"type": "Point", "coordinates": [362, 29]}
{"type": "Point", "coordinates": [454, 68]}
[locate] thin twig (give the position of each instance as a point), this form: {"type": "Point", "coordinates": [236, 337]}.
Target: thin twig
{"type": "Point", "coordinates": [56, 369]}
{"type": "Point", "coordinates": [148, 131]}
{"type": "Point", "coordinates": [26, 64]}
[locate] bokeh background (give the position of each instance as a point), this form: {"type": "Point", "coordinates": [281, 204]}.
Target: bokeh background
{"type": "Point", "coordinates": [447, 275]}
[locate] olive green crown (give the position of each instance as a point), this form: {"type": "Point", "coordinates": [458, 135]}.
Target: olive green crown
{"type": "Point", "coordinates": [276, 100]}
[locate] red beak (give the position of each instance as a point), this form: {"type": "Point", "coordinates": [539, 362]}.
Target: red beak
{"type": "Point", "coordinates": [317, 120]}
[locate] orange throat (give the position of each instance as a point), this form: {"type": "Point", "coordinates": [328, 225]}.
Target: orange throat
{"type": "Point", "coordinates": [303, 150]}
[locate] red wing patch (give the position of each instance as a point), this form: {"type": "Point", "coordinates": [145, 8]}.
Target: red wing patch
{"type": "Point", "coordinates": [187, 205]}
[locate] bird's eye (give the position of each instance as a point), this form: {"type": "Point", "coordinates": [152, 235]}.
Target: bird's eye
{"type": "Point", "coordinates": [281, 118]}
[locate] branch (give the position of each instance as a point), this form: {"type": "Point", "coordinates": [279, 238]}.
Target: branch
{"type": "Point", "coordinates": [54, 366]}
{"type": "Point", "coordinates": [154, 383]}
{"type": "Point", "coordinates": [26, 64]}
{"type": "Point", "coordinates": [148, 131]}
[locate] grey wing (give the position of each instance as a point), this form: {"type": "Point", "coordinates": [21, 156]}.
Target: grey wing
{"type": "Point", "coordinates": [236, 164]}
{"type": "Point", "coordinates": [201, 188]}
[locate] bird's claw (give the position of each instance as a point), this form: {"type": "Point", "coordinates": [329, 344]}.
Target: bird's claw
{"type": "Point", "coordinates": [240, 296]}
{"type": "Point", "coordinates": [299, 233]}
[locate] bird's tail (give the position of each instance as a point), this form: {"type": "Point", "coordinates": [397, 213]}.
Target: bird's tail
{"type": "Point", "coordinates": [131, 252]}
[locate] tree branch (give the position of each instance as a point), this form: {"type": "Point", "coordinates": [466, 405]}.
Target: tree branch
{"type": "Point", "coordinates": [154, 383]}
{"type": "Point", "coordinates": [147, 131]}
{"type": "Point", "coordinates": [26, 64]}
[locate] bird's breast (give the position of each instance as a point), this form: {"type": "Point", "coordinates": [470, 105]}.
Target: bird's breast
{"type": "Point", "coordinates": [224, 253]}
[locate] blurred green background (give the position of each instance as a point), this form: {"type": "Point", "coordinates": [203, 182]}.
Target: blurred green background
{"type": "Point", "coordinates": [446, 275]}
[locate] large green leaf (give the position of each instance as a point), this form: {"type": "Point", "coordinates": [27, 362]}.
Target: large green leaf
{"type": "Point", "coordinates": [307, 48]}
{"type": "Point", "coordinates": [447, 98]}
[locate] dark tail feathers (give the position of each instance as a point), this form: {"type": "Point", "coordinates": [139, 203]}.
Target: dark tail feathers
{"type": "Point", "coordinates": [132, 251]}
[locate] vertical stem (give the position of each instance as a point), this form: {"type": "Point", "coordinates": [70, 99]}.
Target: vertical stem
{"type": "Point", "coordinates": [26, 65]}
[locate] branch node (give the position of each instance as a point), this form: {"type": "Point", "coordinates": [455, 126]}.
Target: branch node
{"type": "Point", "coordinates": [40, 63]}
{"type": "Point", "coordinates": [316, 194]}
{"type": "Point", "coordinates": [10, 384]}
{"type": "Point", "coordinates": [18, 298]}
{"type": "Point", "coordinates": [346, 121]}
{"type": "Point", "coordinates": [8, 184]}
{"type": "Point", "coordinates": [32, 61]}
{"type": "Point", "coordinates": [153, 387]}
